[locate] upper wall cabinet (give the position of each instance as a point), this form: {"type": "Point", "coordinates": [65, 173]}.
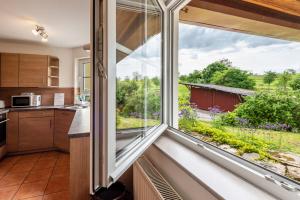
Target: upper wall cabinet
{"type": "Point", "coordinates": [9, 70]}
{"type": "Point", "coordinates": [29, 70]}
{"type": "Point", "coordinates": [33, 70]}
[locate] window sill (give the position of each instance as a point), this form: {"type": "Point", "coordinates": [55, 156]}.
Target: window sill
{"type": "Point", "coordinates": [216, 179]}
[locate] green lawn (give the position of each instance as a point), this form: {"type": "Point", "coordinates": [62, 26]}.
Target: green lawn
{"type": "Point", "coordinates": [135, 122]}
{"type": "Point", "coordinates": [260, 85]}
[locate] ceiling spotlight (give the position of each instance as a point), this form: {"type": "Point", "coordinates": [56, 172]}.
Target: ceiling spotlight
{"type": "Point", "coordinates": [39, 30]}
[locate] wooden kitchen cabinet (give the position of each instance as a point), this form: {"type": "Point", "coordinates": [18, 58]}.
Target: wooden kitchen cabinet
{"type": "Point", "coordinates": [9, 73]}
{"type": "Point", "coordinates": [63, 120]}
{"type": "Point", "coordinates": [35, 132]}
{"type": "Point", "coordinates": [12, 133]}
{"type": "Point", "coordinates": [33, 70]}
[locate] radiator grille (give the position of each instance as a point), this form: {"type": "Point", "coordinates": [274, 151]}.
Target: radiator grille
{"type": "Point", "coordinates": [159, 185]}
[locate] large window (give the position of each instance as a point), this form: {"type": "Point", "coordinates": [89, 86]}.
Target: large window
{"type": "Point", "coordinates": [240, 93]}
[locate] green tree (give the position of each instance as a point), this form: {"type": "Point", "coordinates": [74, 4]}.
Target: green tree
{"type": "Point", "coordinates": [234, 77]}
{"type": "Point", "coordinates": [295, 83]}
{"type": "Point", "coordinates": [284, 79]}
{"type": "Point", "coordinates": [269, 77]}
{"type": "Point", "coordinates": [194, 77]}
{"type": "Point", "coordinates": [212, 68]}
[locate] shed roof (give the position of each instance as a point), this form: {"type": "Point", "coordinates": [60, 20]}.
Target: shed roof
{"type": "Point", "coordinates": [232, 90]}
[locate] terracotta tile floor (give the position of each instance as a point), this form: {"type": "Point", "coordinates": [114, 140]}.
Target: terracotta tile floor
{"type": "Point", "coordinates": [36, 176]}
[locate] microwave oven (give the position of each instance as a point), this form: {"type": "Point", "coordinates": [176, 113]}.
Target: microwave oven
{"type": "Point", "coordinates": [26, 100]}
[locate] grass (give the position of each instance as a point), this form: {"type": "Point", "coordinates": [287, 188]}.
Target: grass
{"type": "Point", "coordinates": [260, 85]}
{"type": "Point", "coordinates": [131, 122]}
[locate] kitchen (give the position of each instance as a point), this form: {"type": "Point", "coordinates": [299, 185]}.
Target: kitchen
{"type": "Point", "coordinates": [45, 79]}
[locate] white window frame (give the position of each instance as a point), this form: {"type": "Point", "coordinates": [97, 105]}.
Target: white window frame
{"type": "Point", "coordinates": [269, 181]}
{"type": "Point", "coordinates": [105, 167]}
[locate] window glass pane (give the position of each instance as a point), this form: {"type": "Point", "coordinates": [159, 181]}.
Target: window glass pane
{"type": "Point", "coordinates": [84, 81]}
{"type": "Point", "coordinates": [240, 92]}
{"type": "Point", "coordinates": [138, 69]}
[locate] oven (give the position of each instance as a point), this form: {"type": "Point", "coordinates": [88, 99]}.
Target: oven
{"type": "Point", "coordinates": [3, 121]}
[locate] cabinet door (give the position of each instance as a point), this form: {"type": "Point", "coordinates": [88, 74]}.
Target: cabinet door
{"type": "Point", "coordinates": [12, 132]}
{"type": "Point", "coordinates": [35, 133]}
{"type": "Point", "coordinates": [33, 70]}
{"type": "Point", "coordinates": [63, 120]}
{"type": "Point", "coordinates": [9, 70]}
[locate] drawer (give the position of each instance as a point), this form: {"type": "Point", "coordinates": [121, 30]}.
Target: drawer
{"type": "Point", "coordinates": [36, 113]}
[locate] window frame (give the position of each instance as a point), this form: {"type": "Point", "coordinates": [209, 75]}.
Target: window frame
{"type": "Point", "coordinates": [263, 178]}
{"type": "Point", "coordinates": [106, 167]}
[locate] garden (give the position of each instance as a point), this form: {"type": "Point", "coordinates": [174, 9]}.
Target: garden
{"type": "Point", "coordinates": [264, 129]}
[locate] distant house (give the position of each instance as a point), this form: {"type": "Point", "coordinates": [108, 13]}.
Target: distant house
{"type": "Point", "coordinates": [206, 96]}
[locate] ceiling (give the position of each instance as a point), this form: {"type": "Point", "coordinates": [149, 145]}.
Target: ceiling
{"type": "Point", "coordinates": [67, 22]}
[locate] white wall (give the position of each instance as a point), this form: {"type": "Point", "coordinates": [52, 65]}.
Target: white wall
{"type": "Point", "coordinates": [65, 56]}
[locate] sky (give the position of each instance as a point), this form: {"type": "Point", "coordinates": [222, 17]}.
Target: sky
{"type": "Point", "coordinates": [200, 46]}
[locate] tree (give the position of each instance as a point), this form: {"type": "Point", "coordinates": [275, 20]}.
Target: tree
{"type": "Point", "coordinates": [295, 83]}
{"type": "Point", "coordinates": [284, 78]}
{"type": "Point", "coordinates": [234, 77]}
{"type": "Point", "coordinates": [194, 77]}
{"type": "Point", "coordinates": [212, 68]}
{"type": "Point", "coordinates": [269, 77]}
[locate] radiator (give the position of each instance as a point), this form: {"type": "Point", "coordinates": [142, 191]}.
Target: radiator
{"type": "Point", "coordinates": [148, 184]}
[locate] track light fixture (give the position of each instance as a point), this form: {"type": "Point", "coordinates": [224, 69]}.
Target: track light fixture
{"type": "Point", "coordinates": [39, 30]}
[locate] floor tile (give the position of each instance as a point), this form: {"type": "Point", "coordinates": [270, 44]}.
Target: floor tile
{"type": "Point", "coordinates": [38, 175]}
{"type": "Point", "coordinates": [7, 193]}
{"type": "Point", "coordinates": [58, 196]}
{"type": "Point", "coordinates": [44, 164]}
{"type": "Point", "coordinates": [22, 167]}
{"type": "Point", "coordinates": [51, 154]}
{"type": "Point", "coordinates": [63, 159]}
{"type": "Point", "coordinates": [31, 190]}
{"type": "Point", "coordinates": [61, 171]}
{"type": "Point", "coordinates": [35, 198]}
{"type": "Point", "coordinates": [57, 184]}
{"type": "Point", "coordinates": [12, 179]}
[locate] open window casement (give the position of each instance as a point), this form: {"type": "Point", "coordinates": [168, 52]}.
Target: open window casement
{"type": "Point", "coordinates": [129, 65]}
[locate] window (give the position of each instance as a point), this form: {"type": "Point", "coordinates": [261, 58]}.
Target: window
{"type": "Point", "coordinates": [128, 96]}
{"type": "Point", "coordinates": [142, 52]}
{"type": "Point", "coordinates": [84, 80]}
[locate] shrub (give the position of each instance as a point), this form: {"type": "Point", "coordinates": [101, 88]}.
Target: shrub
{"type": "Point", "coordinates": [267, 108]}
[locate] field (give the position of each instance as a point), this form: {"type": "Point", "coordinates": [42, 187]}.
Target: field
{"type": "Point", "coordinates": [260, 85]}
{"type": "Point", "coordinates": [131, 122]}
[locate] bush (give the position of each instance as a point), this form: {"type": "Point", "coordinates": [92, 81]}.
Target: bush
{"type": "Point", "coordinates": [267, 108]}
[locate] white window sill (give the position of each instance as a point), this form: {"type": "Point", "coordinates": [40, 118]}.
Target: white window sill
{"type": "Point", "coordinates": [216, 179]}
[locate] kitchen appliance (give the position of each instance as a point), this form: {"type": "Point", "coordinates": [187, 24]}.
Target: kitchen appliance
{"type": "Point", "coordinates": [26, 100]}
{"type": "Point", "coordinates": [3, 120]}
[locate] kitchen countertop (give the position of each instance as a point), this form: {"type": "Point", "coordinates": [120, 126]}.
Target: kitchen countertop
{"type": "Point", "coordinates": [4, 110]}
{"type": "Point", "coordinates": [80, 126]}
{"type": "Point", "coordinates": [65, 107]}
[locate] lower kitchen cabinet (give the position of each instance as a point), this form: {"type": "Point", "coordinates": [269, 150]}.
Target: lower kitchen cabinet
{"type": "Point", "coordinates": [35, 133]}
{"type": "Point", "coordinates": [63, 120]}
{"type": "Point", "coordinates": [12, 132]}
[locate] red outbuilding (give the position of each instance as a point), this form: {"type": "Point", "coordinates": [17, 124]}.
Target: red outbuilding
{"type": "Point", "coordinates": [207, 96]}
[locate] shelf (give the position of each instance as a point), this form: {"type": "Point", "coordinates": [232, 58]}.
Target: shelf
{"type": "Point", "coordinates": [53, 77]}
{"type": "Point", "coordinates": [53, 67]}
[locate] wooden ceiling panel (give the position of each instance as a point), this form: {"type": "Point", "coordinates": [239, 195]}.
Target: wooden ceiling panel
{"type": "Point", "coordinates": [286, 6]}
